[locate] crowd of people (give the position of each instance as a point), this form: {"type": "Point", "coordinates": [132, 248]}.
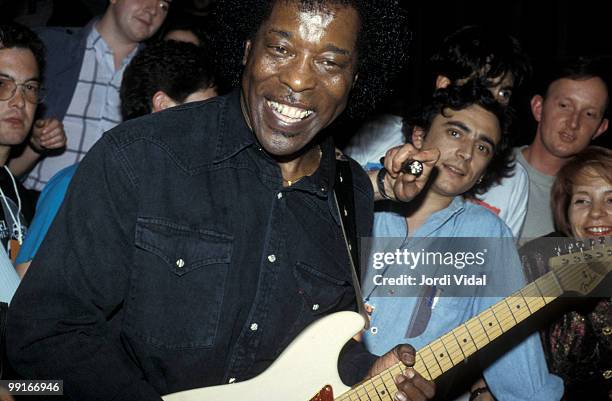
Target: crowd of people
{"type": "Point", "coordinates": [175, 211]}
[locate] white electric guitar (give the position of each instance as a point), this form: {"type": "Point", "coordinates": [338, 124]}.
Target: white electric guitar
{"type": "Point", "coordinates": [307, 369]}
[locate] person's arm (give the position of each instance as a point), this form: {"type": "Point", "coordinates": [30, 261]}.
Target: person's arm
{"type": "Point", "coordinates": [59, 319]}
{"type": "Point", "coordinates": [22, 268]}
{"type": "Point", "coordinates": [47, 134]}
{"type": "Point", "coordinates": [47, 207]}
{"type": "Point", "coordinates": [399, 186]}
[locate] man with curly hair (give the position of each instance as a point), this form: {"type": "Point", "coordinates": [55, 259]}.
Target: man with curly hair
{"type": "Point", "coordinates": [472, 53]}
{"type": "Point", "coordinates": [471, 130]}
{"type": "Point", "coordinates": [195, 244]}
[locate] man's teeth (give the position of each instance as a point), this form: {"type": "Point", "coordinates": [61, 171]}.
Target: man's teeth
{"type": "Point", "coordinates": [294, 113]}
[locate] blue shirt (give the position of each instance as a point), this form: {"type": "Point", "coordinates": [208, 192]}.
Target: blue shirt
{"type": "Point", "coordinates": [520, 374]}
{"type": "Point", "coordinates": [46, 208]}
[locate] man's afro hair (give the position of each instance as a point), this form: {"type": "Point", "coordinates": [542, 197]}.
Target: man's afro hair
{"type": "Point", "coordinates": [382, 43]}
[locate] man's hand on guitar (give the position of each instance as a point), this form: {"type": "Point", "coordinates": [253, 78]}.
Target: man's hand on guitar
{"type": "Point", "coordinates": [411, 385]}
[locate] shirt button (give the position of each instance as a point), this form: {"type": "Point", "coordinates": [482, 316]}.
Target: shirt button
{"type": "Point", "coordinates": [272, 258]}
{"type": "Point", "coordinates": [180, 263]}
{"type": "Point", "coordinates": [607, 374]}
{"type": "Point", "coordinates": [231, 380]}
{"type": "Point", "coordinates": [279, 195]}
{"type": "Point", "coordinates": [315, 307]}
{"type": "Point", "coordinates": [374, 330]}
{"type": "Point", "coordinates": [254, 326]}
{"type": "Point", "coordinates": [607, 330]}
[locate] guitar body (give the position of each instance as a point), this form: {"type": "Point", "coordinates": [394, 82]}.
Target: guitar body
{"type": "Point", "coordinates": [300, 373]}
{"type": "Point", "coordinates": [307, 369]}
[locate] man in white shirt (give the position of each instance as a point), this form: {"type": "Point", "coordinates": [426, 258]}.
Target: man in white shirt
{"type": "Point", "coordinates": [471, 53]}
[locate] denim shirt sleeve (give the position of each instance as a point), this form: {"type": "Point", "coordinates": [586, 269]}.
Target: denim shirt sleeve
{"type": "Point", "coordinates": [61, 319]}
{"type": "Point", "coordinates": [521, 373]}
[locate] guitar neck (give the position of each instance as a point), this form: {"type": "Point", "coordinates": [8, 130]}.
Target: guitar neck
{"type": "Point", "coordinates": [580, 272]}
{"type": "Point", "coordinates": [454, 347]}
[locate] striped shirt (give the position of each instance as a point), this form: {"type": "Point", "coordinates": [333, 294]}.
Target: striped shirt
{"type": "Point", "coordinates": [94, 109]}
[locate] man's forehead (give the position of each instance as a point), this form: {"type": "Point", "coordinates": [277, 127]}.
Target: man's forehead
{"type": "Point", "coordinates": [313, 17]}
{"type": "Point", "coordinates": [473, 118]}
{"type": "Point", "coordinates": [18, 63]}
{"type": "Point", "coordinates": [592, 90]}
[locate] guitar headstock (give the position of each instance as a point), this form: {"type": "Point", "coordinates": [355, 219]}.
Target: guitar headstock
{"type": "Point", "coordinates": [584, 264]}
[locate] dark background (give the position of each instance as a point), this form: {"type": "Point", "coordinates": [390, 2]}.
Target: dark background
{"type": "Point", "coordinates": [548, 30]}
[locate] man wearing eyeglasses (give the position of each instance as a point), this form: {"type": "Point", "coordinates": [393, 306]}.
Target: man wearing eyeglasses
{"type": "Point", "coordinates": [21, 58]}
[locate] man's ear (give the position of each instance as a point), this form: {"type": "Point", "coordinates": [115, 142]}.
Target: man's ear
{"type": "Point", "coordinates": [418, 137]}
{"type": "Point", "coordinates": [161, 101]}
{"type": "Point", "coordinates": [442, 81]}
{"type": "Point", "coordinates": [536, 107]}
{"type": "Point", "coordinates": [247, 51]}
{"type": "Point", "coordinates": [603, 127]}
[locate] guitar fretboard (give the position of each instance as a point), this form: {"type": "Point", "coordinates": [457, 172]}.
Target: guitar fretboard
{"type": "Point", "coordinates": [454, 347]}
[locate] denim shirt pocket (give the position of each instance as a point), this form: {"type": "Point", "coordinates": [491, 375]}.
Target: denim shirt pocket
{"type": "Point", "coordinates": [176, 295]}
{"type": "Point", "coordinates": [320, 291]}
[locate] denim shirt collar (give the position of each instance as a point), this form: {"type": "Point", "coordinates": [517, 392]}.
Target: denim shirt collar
{"type": "Point", "coordinates": [235, 136]}
{"type": "Point", "coordinates": [322, 180]}
{"type": "Point", "coordinates": [439, 218]}
{"type": "Point", "coordinates": [234, 133]}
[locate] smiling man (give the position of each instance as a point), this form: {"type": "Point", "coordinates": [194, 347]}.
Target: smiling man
{"type": "Point", "coordinates": [472, 53]}
{"type": "Point", "coordinates": [470, 129]}
{"type": "Point", "coordinates": [195, 244]}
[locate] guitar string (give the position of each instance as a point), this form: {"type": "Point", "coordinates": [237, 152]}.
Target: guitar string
{"type": "Point", "coordinates": [564, 273]}
{"type": "Point", "coordinates": [533, 306]}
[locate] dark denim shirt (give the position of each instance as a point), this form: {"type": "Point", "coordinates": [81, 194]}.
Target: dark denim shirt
{"type": "Point", "coordinates": [178, 260]}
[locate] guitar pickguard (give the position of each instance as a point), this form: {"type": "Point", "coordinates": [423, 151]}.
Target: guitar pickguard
{"type": "Point", "coordinates": [326, 394]}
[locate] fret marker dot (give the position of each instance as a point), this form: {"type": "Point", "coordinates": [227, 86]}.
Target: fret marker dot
{"type": "Point", "coordinates": [464, 340]}
{"type": "Point", "coordinates": [518, 306]}
{"type": "Point", "coordinates": [441, 355]}
{"type": "Point", "coordinates": [490, 324]}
